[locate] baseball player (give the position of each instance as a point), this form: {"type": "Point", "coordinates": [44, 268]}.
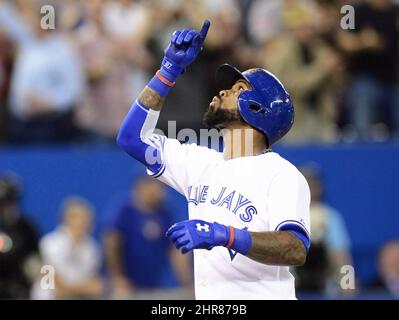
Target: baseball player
{"type": "Point", "coordinates": [248, 207]}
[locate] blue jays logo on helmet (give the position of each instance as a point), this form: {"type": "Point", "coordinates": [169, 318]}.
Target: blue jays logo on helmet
{"type": "Point", "coordinates": [267, 106]}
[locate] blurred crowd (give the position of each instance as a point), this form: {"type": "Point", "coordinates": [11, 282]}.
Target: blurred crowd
{"type": "Point", "coordinates": [131, 257]}
{"type": "Point", "coordinates": [76, 82]}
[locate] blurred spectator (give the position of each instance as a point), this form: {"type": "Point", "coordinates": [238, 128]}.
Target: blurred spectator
{"type": "Point", "coordinates": [388, 265]}
{"type": "Point", "coordinates": [73, 253]}
{"type": "Point", "coordinates": [372, 49]}
{"type": "Point", "coordinates": [126, 19]}
{"type": "Point", "coordinates": [19, 257]}
{"type": "Point", "coordinates": [309, 68]}
{"type": "Point", "coordinates": [329, 29]}
{"type": "Point", "coordinates": [6, 61]}
{"type": "Point", "coordinates": [330, 248]}
{"type": "Point", "coordinates": [47, 80]}
{"type": "Point", "coordinates": [138, 255]}
{"type": "Point", "coordinates": [117, 61]}
{"type": "Point", "coordinates": [112, 43]}
{"type": "Point", "coordinates": [264, 20]}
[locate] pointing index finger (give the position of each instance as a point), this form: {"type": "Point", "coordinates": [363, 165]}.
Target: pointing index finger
{"type": "Point", "coordinates": [204, 29]}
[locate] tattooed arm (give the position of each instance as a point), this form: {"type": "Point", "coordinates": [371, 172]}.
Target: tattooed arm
{"type": "Point", "coordinates": [283, 247]}
{"type": "Point", "coordinates": [151, 99]}
{"type": "Point", "coordinates": [277, 248]}
{"type": "Point", "coordinates": [136, 132]}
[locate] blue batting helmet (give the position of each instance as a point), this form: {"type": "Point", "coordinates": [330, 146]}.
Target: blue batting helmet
{"type": "Point", "coordinates": [267, 106]}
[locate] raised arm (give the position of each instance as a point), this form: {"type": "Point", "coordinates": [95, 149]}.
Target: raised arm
{"type": "Point", "coordinates": [136, 132]}
{"type": "Point", "coordinates": [14, 25]}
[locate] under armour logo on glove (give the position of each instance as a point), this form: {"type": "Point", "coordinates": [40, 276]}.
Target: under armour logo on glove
{"type": "Point", "coordinates": [197, 234]}
{"type": "Point", "coordinates": [204, 227]}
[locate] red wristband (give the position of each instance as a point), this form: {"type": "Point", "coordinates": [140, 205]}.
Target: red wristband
{"type": "Point", "coordinates": [164, 80]}
{"type": "Point", "coordinates": [231, 238]}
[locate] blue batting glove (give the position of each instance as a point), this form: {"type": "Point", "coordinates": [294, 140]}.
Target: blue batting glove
{"type": "Point", "coordinates": [198, 234]}
{"type": "Point", "coordinates": [184, 47]}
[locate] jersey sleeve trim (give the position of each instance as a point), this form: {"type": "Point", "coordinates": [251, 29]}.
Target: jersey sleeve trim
{"type": "Point", "coordinates": [158, 173]}
{"type": "Point", "coordinates": [303, 238]}
{"type": "Point", "coordinates": [293, 225]}
{"type": "Point", "coordinates": [297, 229]}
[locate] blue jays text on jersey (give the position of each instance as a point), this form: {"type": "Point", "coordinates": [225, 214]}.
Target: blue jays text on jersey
{"type": "Point", "coordinates": [232, 200]}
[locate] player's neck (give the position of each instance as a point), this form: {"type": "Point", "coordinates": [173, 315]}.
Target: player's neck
{"type": "Point", "coordinates": [242, 141]}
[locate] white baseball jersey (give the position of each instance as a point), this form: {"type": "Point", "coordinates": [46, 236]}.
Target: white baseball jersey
{"type": "Point", "coordinates": [261, 193]}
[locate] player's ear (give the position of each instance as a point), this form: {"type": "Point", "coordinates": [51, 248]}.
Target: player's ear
{"type": "Point", "coordinates": [247, 85]}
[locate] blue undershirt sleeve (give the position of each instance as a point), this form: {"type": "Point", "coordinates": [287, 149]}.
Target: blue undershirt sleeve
{"type": "Point", "coordinates": [136, 137]}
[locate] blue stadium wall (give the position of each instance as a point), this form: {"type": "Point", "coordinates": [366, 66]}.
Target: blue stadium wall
{"type": "Point", "coordinates": [362, 182]}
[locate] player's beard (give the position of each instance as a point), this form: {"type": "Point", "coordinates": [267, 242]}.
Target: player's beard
{"type": "Point", "coordinates": [221, 118]}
